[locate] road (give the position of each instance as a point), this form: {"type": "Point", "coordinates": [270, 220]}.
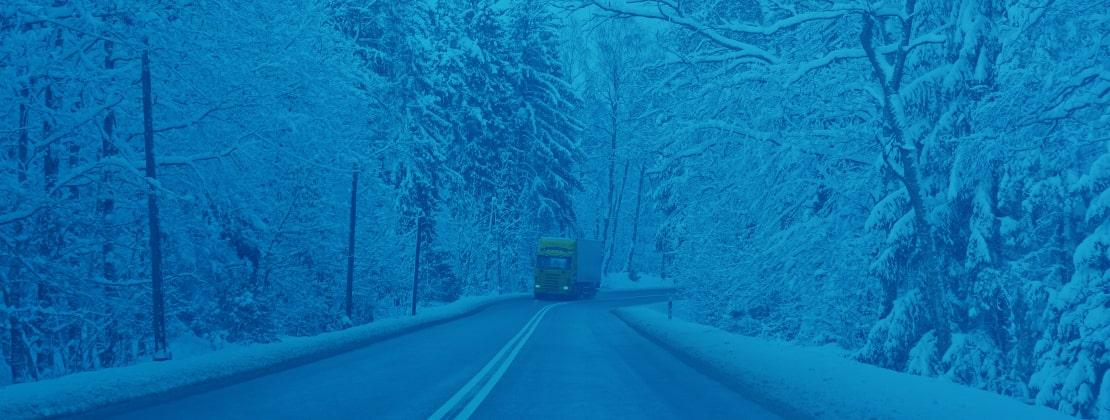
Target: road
{"type": "Point", "coordinates": [521, 359]}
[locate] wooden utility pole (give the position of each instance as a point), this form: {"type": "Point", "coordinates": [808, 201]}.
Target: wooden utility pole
{"type": "Point", "coordinates": [160, 352]}
{"type": "Point", "coordinates": [351, 245]}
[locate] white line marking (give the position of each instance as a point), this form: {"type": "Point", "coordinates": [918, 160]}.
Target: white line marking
{"type": "Point", "coordinates": [512, 347]}
{"type": "Point", "coordinates": [482, 393]}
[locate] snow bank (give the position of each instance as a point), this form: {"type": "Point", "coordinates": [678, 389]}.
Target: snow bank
{"type": "Point", "coordinates": [801, 382]}
{"type": "Point", "coordinates": [86, 391]}
{"type": "Point", "coordinates": [621, 281]}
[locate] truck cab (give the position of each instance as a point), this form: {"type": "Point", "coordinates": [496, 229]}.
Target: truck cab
{"type": "Point", "coordinates": [567, 268]}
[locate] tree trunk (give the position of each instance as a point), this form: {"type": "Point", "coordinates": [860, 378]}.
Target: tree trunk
{"type": "Point", "coordinates": [614, 124]}
{"type": "Point", "coordinates": [908, 152]}
{"type": "Point", "coordinates": [608, 218]}
{"type": "Point", "coordinates": [18, 352]}
{"type": "Point", "coordinates": [416, 265]}
{"type": "Point", "coordinates": [597, 220]}
{"type": "Point", "coordinates": [12, 292]}
{"type": "Point", "coordinates": [928, 263]}
{"type": "Point", "coordinates": [487, 266]}
{"type": "Point", "coordinates": [73, 153]}
{"type": "Point", "coordinates": [351, 246]}
{"type": "Point", "coordinates": [103, 346]}
{"type": "Point", "coordinates": [106, 204]}
{"type": "Point", "coordinates": [160, 352]}
{"type": "Point", "coordinates": [636, 219]}
{"type": "Point", "coordinates": [50, 157]}
{"type": "Point", "coordinates": [500, 265]}
{"type": "Point", "coordinates": [24, 140]}
{"type": "Point", "coordinates": [615, 215]}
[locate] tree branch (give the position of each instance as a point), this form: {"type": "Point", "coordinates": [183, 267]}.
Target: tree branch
{"type": "Point", "coordinates": [674, 16]}
{"type": "Point", "coordinates": [828, 59]}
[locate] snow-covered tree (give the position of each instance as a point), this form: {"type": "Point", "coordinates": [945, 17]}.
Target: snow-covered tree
{"type": "Point", "coordinates": [959, 130]}
{"type": "Point", "coordinates": [225, 108]}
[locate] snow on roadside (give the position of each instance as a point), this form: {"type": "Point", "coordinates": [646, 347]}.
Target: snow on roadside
{"type": "Point", "coordinates": [86, 391]}
{"type": "Point", "coordinates": [621, 281]}
{"type": "Point", "coordinates": [801, 382]}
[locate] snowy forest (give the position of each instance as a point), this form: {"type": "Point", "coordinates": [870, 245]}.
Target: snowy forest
{"type": "Point", "coordinates": [923, 183]}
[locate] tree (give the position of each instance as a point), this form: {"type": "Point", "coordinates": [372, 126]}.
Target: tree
{"type": "Point", "coordinates": [544, 123]}
{"type": "Point", "coordinates": [975, 121]}
{"type": "Point", "coordinates": [72, 184]}
{"type": "Point", "coordinates": [620, 102]}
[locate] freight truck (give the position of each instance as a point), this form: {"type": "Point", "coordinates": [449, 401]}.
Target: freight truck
{"type": "Point", "coordinates": [567, 268]}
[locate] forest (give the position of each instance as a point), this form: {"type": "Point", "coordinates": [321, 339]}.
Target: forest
{"type": "Point", "coordinates": [922, 183]}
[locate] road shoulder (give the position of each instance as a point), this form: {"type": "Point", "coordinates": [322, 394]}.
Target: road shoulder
{"type": "Point", "coordinates": [137, 385]}
{"type": "Point", "coordinates": [801, 382]}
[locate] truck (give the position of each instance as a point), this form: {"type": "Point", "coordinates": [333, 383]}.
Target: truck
{"type": "Point", "coordinates": [567, 268]}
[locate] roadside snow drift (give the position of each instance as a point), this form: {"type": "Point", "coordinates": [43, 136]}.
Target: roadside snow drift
{"type": "Point", "coordinates": [86, 391]}
{"type": "Point", "coordinates": [644, 281]}
{"type": "Point", "coordinates": [800, 382]}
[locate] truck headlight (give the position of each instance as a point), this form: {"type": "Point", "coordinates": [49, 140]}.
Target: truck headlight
{"type": "Point", "coordinates": [566, 288]}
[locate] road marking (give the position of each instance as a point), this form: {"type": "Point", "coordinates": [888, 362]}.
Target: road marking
{"type": "Point", "coordinates": [501, 361]}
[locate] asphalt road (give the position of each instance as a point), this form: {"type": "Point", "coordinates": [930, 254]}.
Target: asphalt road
{"type": "Point", "coordinates": [521, 359]}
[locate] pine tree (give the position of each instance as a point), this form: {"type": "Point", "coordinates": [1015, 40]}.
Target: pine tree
{"type": "Point", "coordinates": [543, 125]}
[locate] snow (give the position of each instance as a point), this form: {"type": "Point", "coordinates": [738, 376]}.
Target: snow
{"type": "Point", "coordinates": [820, 382]}
{"type": "Point", "coordinates": [888, 211]}
{"type": "Point", "coordinates": [621, 281]}
{"type": "Point", "coordinates": [1104, 396]}
{"type": "Point", "coordinates": [1099, 208]}
{"type": "Point", "coordinates": [807, 382]}
{"type": "Point", "coordinates": [1093, 248]}
{"type": "Point", "coordinates": [85, 391]}
{"type": "Point", "coordinates": [978, 252]}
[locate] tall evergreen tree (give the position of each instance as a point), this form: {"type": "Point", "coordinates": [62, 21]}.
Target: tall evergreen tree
{"type": "Point", "coordinates": [543, 123]}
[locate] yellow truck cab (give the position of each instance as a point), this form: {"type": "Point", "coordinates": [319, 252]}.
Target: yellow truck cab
{"type": "Point", "coordinates": [567, 268]}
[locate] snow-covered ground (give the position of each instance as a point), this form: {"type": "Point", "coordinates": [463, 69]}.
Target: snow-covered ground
{"type": "Point", "coordinates": [796, 381]}
{"type": "Point", "coordinates": [81, 392]}
{"type": "Point", "coordinates": [621, 281]}
{"type": "Point", "coordinates": [812, 382]}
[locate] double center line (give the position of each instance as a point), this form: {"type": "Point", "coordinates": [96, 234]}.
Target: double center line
{"type": "Point", "coordinates": [471, 394]}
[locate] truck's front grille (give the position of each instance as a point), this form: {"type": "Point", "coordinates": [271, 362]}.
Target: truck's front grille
{"type": "Point", "coordinates": [549, 280]}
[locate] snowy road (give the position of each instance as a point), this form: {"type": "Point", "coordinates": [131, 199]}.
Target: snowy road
{"type": "Point", "coordinates": [518, 359]}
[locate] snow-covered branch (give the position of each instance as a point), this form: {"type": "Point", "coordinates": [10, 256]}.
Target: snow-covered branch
{"type": "Point", "coordinates": [187, 160]}
{"type": "Point", "coordinates": [81, 121]}
{"type": "Point", "coordinates": [834, 12]}
{"type": "Point", "coordinates": [666, 12]}
{"type": "Point", "coordinates": [730, 128]}
{"type": "Point", "coordinates": [830, 58]}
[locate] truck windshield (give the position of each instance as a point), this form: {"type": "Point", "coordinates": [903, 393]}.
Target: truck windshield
{"type": "Point", "coordinates": [552, 263]}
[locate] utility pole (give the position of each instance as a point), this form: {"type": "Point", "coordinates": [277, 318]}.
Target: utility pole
{"type": "Point", "coordinates": [351, 245]}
